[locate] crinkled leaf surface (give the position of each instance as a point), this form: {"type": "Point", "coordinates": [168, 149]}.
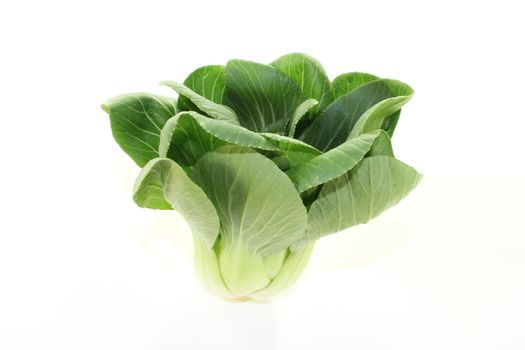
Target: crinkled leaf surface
{"type": "Point", "coordinates": [329, 165]}
{"type": "Point", "coordinates": [310, 75]}
{"type": "Point", "coordinates": [363, 193]}
{"type": "Point", "coordinates": [163, 184]}
{"type": "Point", "coordinates": [257, 204]}
{"type": "Point", "coordinates": [336, 122]}
{"type": "Point", "coordinates": [188, 136]}
{"type": "Point", "coordinates": [263, 97]}
{"type": "Point", "coordinates": [347, 82]}
{"type": "Point", "coordinates": [136, 123]}
{"type": "Point", "coordinates": [214, 110]}
{"type": "Point", "coordinates": [207, 81]}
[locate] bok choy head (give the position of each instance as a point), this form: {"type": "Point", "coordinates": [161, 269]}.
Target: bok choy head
{"type": "Point", "coordinates": [262, 160]}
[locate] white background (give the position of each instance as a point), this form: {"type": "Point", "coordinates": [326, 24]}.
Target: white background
{"type": "Point", "coordinates": [81, 267]}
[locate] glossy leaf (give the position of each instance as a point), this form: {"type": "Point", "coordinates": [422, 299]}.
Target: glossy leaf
{"type": "Point", "coordinates": [163, 184]}
{"type": "Point", "coordinates": [136, 123]}
{"type": "Point", "coordinates": [360, 195]}
{"type": "Point", "coordinates": [257, 204]}
{"type": "Point", "coordinates": [263, 97]}
{"type": "Point", "coordinates": [214, 110]}
{"type": "Point", "coordinates": [331, 164]}
{"type": "Point", "coordinates": [310, 75]}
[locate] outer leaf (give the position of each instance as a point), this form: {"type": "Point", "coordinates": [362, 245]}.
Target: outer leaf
{"type": "Point", "coordinates": [263, 98]}
{"type": "Point", "coordinates": [211, 108]}
{"type": "Point", "coordinates": [309, 74]}
{"type": "Point", "coordinates": [289, 273]}
{"type": "Point", "coordinates": [334, 124]}
{"type": "Point", "coordinates": [382, 146]}
{"type": "Point", "coordinates": [136, 122]}
{"type": "Point", "coordinates": [207, 81]}
{"type": "Point", "coordinates": [188, 136]}
{"type": "Point", "coordinates": [347, 82]}
{"type": "Point", "coordinates": [296, 151]}
{"type": "Point", "coordinates": [375, 185]}
{"type": "Point", "coordinates": [331, 164]}
{"type": "Point", "coordinates": [163, 184]}
{"type": "Point", "coordinates": [299, 113]}
{"type": "Point", "coordinates": [375, 117]}
{"type": "Point", "coordinates": [258, 206]}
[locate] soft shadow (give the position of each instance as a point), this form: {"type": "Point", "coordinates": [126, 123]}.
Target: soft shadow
{"type": "Point", "coordinates": [360, 245]}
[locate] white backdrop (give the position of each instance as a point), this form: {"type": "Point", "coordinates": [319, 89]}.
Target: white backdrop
{"type": "Point", "coordinates": [81, 267]}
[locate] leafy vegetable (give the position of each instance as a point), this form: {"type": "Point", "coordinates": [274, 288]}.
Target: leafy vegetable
{"type": "Point", "coordinates": [262, 161]}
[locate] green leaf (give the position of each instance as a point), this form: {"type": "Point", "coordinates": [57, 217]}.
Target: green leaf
{"type": "Point", "coordinates": [360, 195]}
{"type": "Point", "coordinates": [336, 122]}
{"type": "Point", "coordinates": [375, 117]}
{"type": "Point", "coordinates": [207, 81]}
{"type": "Point", "coordinates": [347, 82]}
{"type": "Point", "coordinates": [299, 113]}
{"type": "Point", "coordinates": [289, 273]}
{"type": "Point", "coordinates": [136, 122]}
{"type": "Point", "coordinates": [211, 108]}
{"type": "Point", "coordinates": [296, 151]}
{"type": "Point", "coordinates": [163, 184]}
{"type": "Point", "coordinates": [309, 74]}
{"type": "Point", "coordinates": [257, 204]}
{"type": "Point", "coordinates": [382, 146]}
{"type": "Point", "coordinates": [263, 98]}
{"type": "Point", "coordinates": [331, 164]}
{"type": "Point", "coordinates": [188, 136]}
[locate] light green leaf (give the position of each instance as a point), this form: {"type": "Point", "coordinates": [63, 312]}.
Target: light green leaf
{"type": "Point", "coordinates": [309, 74]}
{"type": "Point", "coordinates": [263, 98]}
{"type": "Point", "coordinates": [257, 204]}
{"type": "Point", "coordinates": [163, 184]}
{"type": "Point", "coordinates": [299, 113]}
{"type": "Point", "coordinates": [136, 122]}
{"type": "Point", "coordinates": [336, 122]}
{"type": "Point", "coordinates": [382, 146]}
{"type": "Point", "coordinates": [331, 164]}
{"type": "Point", "coordinates": [188, 136]}
{"type": "Point", "coordinates": [296, 151]}
{"type": "Point", "coordinates": [347, 82]}
{"type": "Point", "coordinates": [289, 273]}
{"type": "Point", "coordinates": [209, 107]}
{"type": "Point", "coordinates": [360, 195]}
{"type": "Point", "coordinates": [374, 118]}
{"type": "Point", "coordinates": [207, 81]}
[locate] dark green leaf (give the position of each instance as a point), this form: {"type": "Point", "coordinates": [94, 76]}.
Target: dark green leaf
{"type": "Point", "coordinates": [309, 74]}
{"type": "Point", "coordinates": [336, 122]}
{"type": "Point", "coordinates": [263, 98]}
{"type": "Point", "coordinates": [136, 122]}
